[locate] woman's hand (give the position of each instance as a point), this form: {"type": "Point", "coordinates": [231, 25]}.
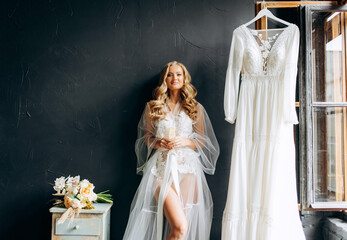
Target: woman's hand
{"type": "Point", "coordinates": [164, 143]}
{"type": "Point", "coordinates": [177, 142]}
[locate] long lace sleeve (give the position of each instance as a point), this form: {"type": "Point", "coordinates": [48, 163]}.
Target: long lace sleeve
{"type": "Point", "coordinates": [146, 140]}
{"type": "Point", "coordinates": [205, 141]}
{"type": "Point", "coordinates": [233, 77]}
{"type": "Point", "coordinates": [289, 78]}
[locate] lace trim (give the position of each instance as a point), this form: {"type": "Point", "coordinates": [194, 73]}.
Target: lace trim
{"type": "Point", "coordinates": [188, 162]}
{"type": "Point", "coordinates": [266, 49]}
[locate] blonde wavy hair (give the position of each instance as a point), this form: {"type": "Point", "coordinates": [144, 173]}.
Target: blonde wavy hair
{"type": "Point", "coordinates": [161, 95]}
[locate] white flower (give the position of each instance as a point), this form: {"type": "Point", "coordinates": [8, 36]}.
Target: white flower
{"type": "Point", "coordinates": [67, 201]}
{"type": "Point", "coordinates": [73, 181]}
{"type": "Point", "coordinates": [72, 190]}
{"type": "Point", "coordinates": [84, 183]}
{"type": "Point", "coordinates": [75, 203]}
{"type": "Point", "coordinates": [87, 192]}
{"type": "Point", "coordinates": [59, 185]}
{"type": "Point", "coordinates": [93, 197]}
{"type": "Point", "coordinates": [81, 197]}
{"type": "Point", "coordinates": [72, 185]}
{"type": "Point", "coordinates": [75, 190]}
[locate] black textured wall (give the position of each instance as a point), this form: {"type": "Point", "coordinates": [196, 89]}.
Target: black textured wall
{"type": "Point", "coordinates": [74, 78]}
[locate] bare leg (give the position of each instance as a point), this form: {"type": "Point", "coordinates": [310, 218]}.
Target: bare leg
{"type": "Point", "coordinates": [189, 189]}
{"type": "Point", "coordinates": [174, 214]}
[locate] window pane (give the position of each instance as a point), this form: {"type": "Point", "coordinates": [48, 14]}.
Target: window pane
{"type": "Point", "coordinates": [330, 153]}
{"type": "Point", "coordinates": [328, 43]}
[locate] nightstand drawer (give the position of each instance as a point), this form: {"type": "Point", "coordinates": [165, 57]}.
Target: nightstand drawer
{"type": "Point", "coordinates": [72, 237]}
{"type": "Point", "coordinates": [79, 226]}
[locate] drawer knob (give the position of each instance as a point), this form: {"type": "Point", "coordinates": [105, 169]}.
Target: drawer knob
{"type": "Point", "coordinates": [76, 227]}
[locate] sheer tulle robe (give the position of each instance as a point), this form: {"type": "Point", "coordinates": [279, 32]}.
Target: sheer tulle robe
{"type": "Point", "coordinates": [181, 169]}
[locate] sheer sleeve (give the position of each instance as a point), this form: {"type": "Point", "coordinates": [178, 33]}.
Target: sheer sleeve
{"type": "Point", "coordinates": [289, 78]}
{"type": "Point", "coordinates": [205, 141]}
{"type": "Point", "coordinates": [233, 77]}
{"type": "Point", "coordinates": [146, 140]}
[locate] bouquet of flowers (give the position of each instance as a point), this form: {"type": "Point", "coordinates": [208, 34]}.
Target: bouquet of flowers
{"type": "Point", "coordinates": [76, 195]}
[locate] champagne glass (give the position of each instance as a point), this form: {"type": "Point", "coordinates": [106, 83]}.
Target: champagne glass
{"type": "Point", "coordinates": [171, 132]}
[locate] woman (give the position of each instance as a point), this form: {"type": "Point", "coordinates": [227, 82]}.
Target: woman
{"type": "Point", "coordinates": [175, 145]}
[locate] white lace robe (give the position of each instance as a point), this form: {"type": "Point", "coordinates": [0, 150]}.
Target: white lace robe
{"type": "Point", "coordinates": [262, 197]}
{"type": "Point", "coordinates": [180, 168]}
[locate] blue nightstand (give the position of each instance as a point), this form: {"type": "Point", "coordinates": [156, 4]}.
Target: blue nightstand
{"type": "Point", "coordinates": [91, 224]}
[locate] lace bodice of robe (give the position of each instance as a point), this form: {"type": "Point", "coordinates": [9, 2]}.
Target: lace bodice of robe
{"type": "Point", "coordinates": [200, 131]}
{"type": "Point", "coordinates": [179, 124]}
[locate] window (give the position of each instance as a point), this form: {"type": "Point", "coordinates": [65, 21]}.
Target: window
{"type": "Point", "coordinates": [323, 107]}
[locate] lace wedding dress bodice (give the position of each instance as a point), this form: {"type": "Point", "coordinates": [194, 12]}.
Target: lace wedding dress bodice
{"type": "Point", "coordinates": [264, 56]}
{"type": "Point", "coordinates": [270, 56]}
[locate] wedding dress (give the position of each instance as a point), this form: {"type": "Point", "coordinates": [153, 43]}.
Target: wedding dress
{"type": "Point", "coordinates": [262, 198]}
{"type": "Point", "coordinates": [182, 169]}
